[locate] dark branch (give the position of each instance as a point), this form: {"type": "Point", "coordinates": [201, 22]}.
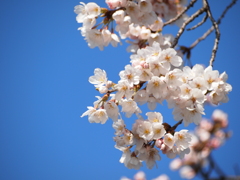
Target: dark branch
{"type": "Point", "coordinates": [199, 24]}
{"type": "Point", "coordinates": [217, 32]}
{"type": "Point", "coordinates": [216, 167]}
{"type": "Point", "coordinates": [180, 14]}
{"type": "Point", "coordinates": [190, 19]}
{"type": "Point", "coordinates": [176, 125]}
{"type": "Point", "coordinates": [205, 35]}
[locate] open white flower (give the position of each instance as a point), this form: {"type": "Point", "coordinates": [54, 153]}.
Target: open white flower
{"type": "Point", "coordinates": [110, 37]}
{"type": "Point", "coordinates": [182, 138]}
{"type": "Point", "coordinates": [210, 77]}
{"type": "Point", "coordinates": [157, 25]}
{"type": "Point", "coordinates": [155, 117]}
{"type": "Point", "coordinates": [169, 57]}
{"type": "Point", "coordinates": [90, 10]}
{"type": "Point", "coordinates": [94, 38]}
{"type": "Point", "coordinates": [156, 86]}
{"type": "Point", "coordinates": [118, 16]}
{"type": "Point", "coordinates": [130, 160]}
{"type": "Point", "coordinates": [150, 155]}
{"type": "Point", "coordinates": [145, 6]}
{"type": "Point", "coordinates": [119, 127]}
{"type": "Point", "coordinates": [123, 88]}
{"type": "Point", "coordinates": [145, 130]}
{"type": "Point", "coordinates": [112, 110]}
{"type": "Point", "coordinates": [99, 116]}
{"type": "Point", "coordinates": [144, 33]}
{"type": "Point", "coordinates": [158, 130]}
{"type": "Point", "coordinates": [169, 140]}
{"type": "Point", "coordinates": [99, 78]}
{"type": "Point", "coordinates": [141, 96]}
{"type": "Point", "coordinates": [130, 74]}
{"type": "Point", "coordinates": [129, 107]}
{"type": "Point", "coordinates": [89, 112]}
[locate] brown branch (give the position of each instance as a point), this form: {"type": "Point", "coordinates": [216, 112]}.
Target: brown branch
{"type": "Point", "coordinates": [199, 24]}
{"type": "Point", "coordinates": [225, 11]}
{"type": "Point", "coordinates": [205, 35]}
{"type": "Point", "coordinates": [201, 38]}
{"type": "Point", "coordinates": [217, 32]}
{"type": "Point", "coordinates": [227, 178]}
{"type": "Point", "coordinates": [190, 19]}
{"type": "Point", "coordinates": [176, 125]}
{"type": "Point", "coordinates": [180, 14]}
{"type": "Point", "coordinates": [216, 167]}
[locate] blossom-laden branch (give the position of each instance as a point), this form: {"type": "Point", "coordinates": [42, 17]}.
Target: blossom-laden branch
{"type": "Point", "coordinates": [207, 137]}
{"type": "Point", "coordinates": [155, 74]}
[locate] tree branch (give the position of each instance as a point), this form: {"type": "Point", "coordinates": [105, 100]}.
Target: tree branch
{"type": "Point", "coordinates": [190, 19]}
{"type": "Point", "coordinates": [180, 14]}
{"type": "Point", "coordinates": [205, 35]}
{"type": "Point", "coordinates": [199, 24]}
{"type": "Point", "coordinates": [176, 125]}
{"type": "Point", "coordinates": [217, 32]}
{"type": "Point", "coordinates": [216, 167]}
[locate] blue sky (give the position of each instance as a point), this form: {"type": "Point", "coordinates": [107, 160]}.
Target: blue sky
{"type": "Point", "coordinates": [44, 70]}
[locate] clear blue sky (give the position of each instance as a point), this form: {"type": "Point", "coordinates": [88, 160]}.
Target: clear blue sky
{"type": "Point", "coordinates": [44, 70]}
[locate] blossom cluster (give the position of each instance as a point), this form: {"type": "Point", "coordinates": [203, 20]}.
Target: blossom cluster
{"type": "Point", "coordinates": [156, 73]}
{"type": "Point", "coordinates": [149, 136]}
{"type": "Point", "coordinates": [208, 136]}
{"type": "Point", "coordinates": [185, 89]}
{"type": "Point", "coordinates": [139, 20]}
{"type": "Point", "coordinates": [141, 176]}
{"type": "Point", "coordinates": [151, 78]}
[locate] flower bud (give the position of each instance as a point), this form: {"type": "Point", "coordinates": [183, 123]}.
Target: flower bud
{"type": "Point", "coordinates": [103, 89]}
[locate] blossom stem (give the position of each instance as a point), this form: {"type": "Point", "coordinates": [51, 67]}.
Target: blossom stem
{"type": "Point", "coordinates": [176, 125]}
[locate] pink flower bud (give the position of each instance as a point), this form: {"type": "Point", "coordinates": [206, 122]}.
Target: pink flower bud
{"type": "Point", "coordinates": [109, 84]}
{"type": "Point", "coordinates": [215, 143]}
{"type": "Point", "coordinates": [159, 143]}
{"type": "Point", "coordinates": [146, 66]}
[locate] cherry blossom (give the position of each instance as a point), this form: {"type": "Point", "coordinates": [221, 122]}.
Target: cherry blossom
{"type": "Point", "coordinates": [156, 74]}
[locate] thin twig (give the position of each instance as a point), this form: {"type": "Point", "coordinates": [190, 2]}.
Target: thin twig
{"type": "Point", "coordinates": [227, 178]}
{"type": "Point", "coordinates": [217, 33]}
{"type": "Point", "coordinates": [201, 38]}
{"type": "Point", "coordinates": [190, 19]}
{"type": "Point", "coordinates": [225, 11]}
{"type": "Point", "coordinates": [180, 14]}
{"type": "Point", "coordinates": [199, 24]}
{"type": "Point", "coordinates": [203, 174]}
{"type": "Point", "coordinates": [216, 167]}
{"type": "Point", "coordinates": [236, 169]}
{"type": "Point", "coordinates": [204, 36]}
